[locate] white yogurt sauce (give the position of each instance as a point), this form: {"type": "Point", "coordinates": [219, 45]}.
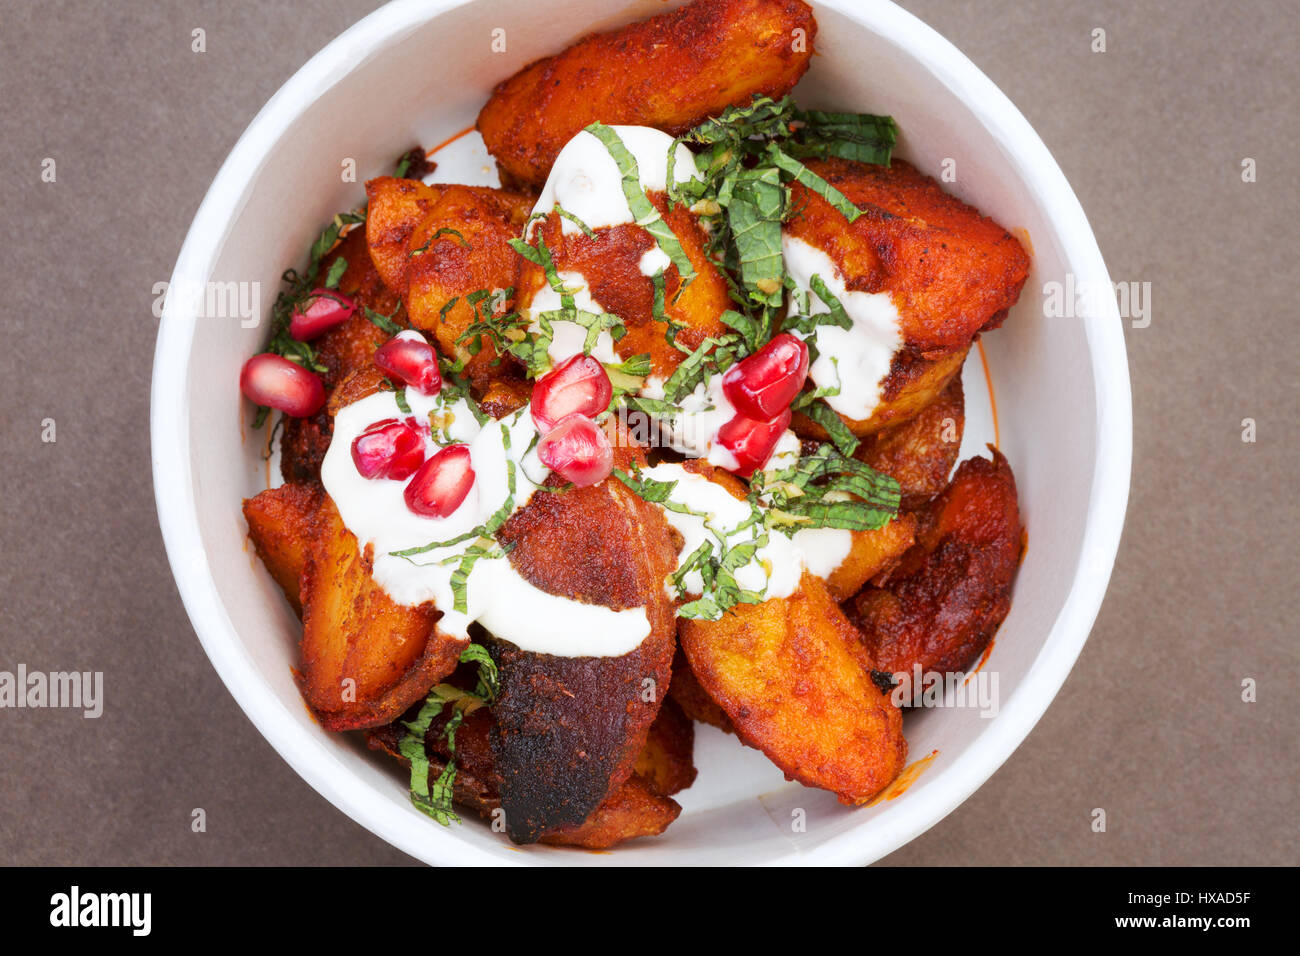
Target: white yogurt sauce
{"type": "Point", "coordinates": [585, 180]}
{"type": "Point", "coordinates": [568, 338]}
{"type": "Point", "coordinates": [496, 594]}
{"type": "Point", "coordinates": [694, 430]}
{"type": "Point", "coordinates": [856, 359]}
{"type": "Point", "coordinates": [716, 515]}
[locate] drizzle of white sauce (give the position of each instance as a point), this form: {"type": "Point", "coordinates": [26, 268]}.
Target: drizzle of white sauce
{"type": "Point", "coordinates": [585, 180]}
{"type": "Point", "coordinates": [856, 359]}
{"type": "Point", "coordinates": [694, 430]}
{"type": "Point", "coordinates": [653, 261]}
{"type": "Point", "coordinates": [496, 594]}
{"type": "Point", "coordinates": [568, 338]}
{"type": "Point", "coordinates": [714, 514]}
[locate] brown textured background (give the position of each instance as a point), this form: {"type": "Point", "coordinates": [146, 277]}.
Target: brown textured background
{"type": "Point", "coordinates": [1150, 725]}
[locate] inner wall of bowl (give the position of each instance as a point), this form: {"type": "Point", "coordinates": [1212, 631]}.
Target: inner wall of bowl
{"type": "Point", "coordinates": [422, 87]}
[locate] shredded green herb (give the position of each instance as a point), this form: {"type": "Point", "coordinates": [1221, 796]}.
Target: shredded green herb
{"type": "Point", "coordinates": [437, 799]}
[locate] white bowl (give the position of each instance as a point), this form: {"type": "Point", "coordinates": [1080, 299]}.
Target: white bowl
{"type": "Point", "coordinates": [418, 71]}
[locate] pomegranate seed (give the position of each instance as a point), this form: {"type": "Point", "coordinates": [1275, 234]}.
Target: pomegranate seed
{"type": "Point", "coordinates": [318, 313]}
{"type": "Point", "coordinates": [577, 450]}
{"type": "Point", "coordinates": [442, 483]}
{"type": "Point", "coordinates": [408, 358]}
{"type": "Point", "coordinates": [389, 449]}
{"type": "Point", "coordinates": [751, 441]}
{"type": "Point", "coordinates": [577, 386]}
{"type": "Point", "coordinates": [766, 382]}
{"type": "Point", "coordinates": [271, 380]}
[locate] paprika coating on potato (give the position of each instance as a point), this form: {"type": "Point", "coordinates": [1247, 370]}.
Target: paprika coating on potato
{"type": "Point", "coordinates": [919, 454]}
{"type": "Point", "coordinates": [941, 606]}
{"type": "Point", "coordinates": [950, 271]}
{"type": "Point", "coordinates": [363, 658]}
{"type": "Point", "coordinates": [672, 72]}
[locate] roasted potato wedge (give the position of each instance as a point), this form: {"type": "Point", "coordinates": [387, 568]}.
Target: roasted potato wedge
{"type": "Point", "coordinates": [569, 729]}
{"type": "Point", "coordinates": [913, 384]}
{"type": "Point", "coordinates": [671, 71]}
{"type": "Point", "coordinates": [951, 272]}
{"type": "Point", "coordinates": [364, 659]}
{"type": "Point", "coordinates": [281, 524]}
{"type": "Point", "coordinates": [472, 252]}
{"type": "Point", "coordinates": [791, 675]}
{"type": "Point", "coordinates": [610, 262]}
{"type": "Point", "coordinates": [942, 604]}
{"type": "Point", "coordinates": [920, 453]}
{"type": "Point", "coordinates": [666, 763]}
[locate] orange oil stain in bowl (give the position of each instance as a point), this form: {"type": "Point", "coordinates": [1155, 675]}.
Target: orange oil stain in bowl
{"type": "Point", "coordinates": [993, 401]}
{"type": "Point", "coordinates": [904, 779]}
{"type": "Point", "coordinates": [429, 153]}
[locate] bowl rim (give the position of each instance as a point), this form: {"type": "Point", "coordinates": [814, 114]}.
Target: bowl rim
{"type": "Point", "coordinates": [309, 755]}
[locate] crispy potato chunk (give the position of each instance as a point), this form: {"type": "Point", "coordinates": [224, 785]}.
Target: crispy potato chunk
{"type": "Point", "coordinates": [610, 262]}
{"type": "Point", "coordinates": [364, 659]}
{"type": "Point", "coordinates": [570, 729]}
{"type": "Point", "coordinates": [671, 71]}
{"type": "Point", "coordinates": [666, 763]}
{"type": "Point", "coordinates": [472, 253]}
{"type": "Point", "coordinates": [281, 522]}
{"type": "Point", "coordinates": [951, 272]}
{"type": "Point", "coordinates": [913, 384]}
{"type": "Point", "coordinates": [920, 453]}
{"type": "Point", "coordinates": [396, 208]}
{"type": "Point", "coordinates": [791, 675]}
{"type": "Point", "coordinates": [940, 607]}
{"type": "Point", "coordinates": [870, 553]}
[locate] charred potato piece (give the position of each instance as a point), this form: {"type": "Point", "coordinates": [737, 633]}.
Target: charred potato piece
{"type": "Point", "coordinates": [919, 454]}
{"type": "Point", "coordinates": [671, 71]}
{"type": "Point", "coordinates": [281, 522]}
{"type": "Point", "coordinates": [471, 252]}
{"type": "Point", "coordinates": [913, 383]}
{"type": "Point", "coordinates": [364, 659]}
{"type": "Point", "coordinates": [610, 262]}
{"type": "Point", "coordinates": [666, 763]}
{"type": "Point", "coordinates": [951, 272]}
{"type": "Point", "coordinates": [569, 729]}
{"type": "Point", "coordinates": [791, 675]}
{"type": "Point", "coordinates": [634, 809]}
{"type": "Point", "coordinates": [693, 699]}
{"type": "Point", "coordinates": [871, 553]}
{"type": "Point", "coordinates": [476, 782]}
{"type": "Point", "coordinates": [940, 607]}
